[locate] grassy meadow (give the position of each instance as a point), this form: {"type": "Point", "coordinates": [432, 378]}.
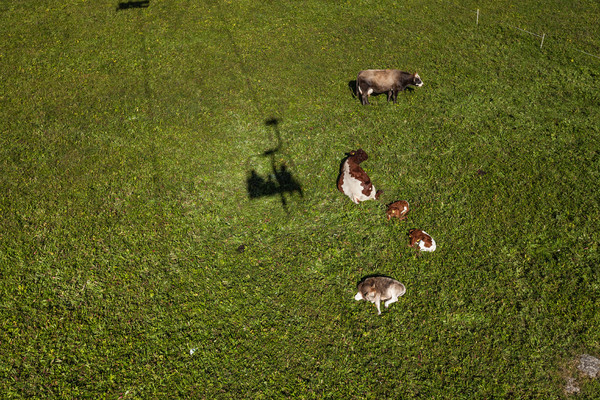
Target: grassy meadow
{"type": "Point", "coordinates": [170, 225]}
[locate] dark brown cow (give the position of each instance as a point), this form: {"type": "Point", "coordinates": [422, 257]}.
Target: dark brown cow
{"type": "Point", "coordinates": [390, 81]}
{"type": "Point", "coordinates": [397, 209]}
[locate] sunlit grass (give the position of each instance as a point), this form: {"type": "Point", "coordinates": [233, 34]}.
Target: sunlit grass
{"type": "Point", "coordinates": [135, 263]}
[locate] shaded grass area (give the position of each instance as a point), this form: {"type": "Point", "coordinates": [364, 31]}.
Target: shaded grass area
{"type": "Point", "coordinates": [135, 264]}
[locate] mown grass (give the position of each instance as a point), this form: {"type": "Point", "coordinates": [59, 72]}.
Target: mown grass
{"type": "Point", "coordinates": [136, 265]}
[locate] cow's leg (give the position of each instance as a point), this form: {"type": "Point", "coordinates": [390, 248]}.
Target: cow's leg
{"type": "Point", "coordinates": [377, 303]}
{"type": "Point", "coordinates": [362, 90]}
{"type": "Point", "coordinates": [366, 92]}
{"type": "Point", "coordinates": [390, 301]}
{"type": "Point", "coordinates": [365, 96]}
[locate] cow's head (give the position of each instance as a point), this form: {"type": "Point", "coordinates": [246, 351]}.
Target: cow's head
{"type": "Point", "coordinates": [359, 156]}
{"type": "Point", "coordinates": [417, 80]}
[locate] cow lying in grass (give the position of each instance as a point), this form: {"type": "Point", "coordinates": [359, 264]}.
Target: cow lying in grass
{"type": "Point", "coordinates": [354, 181]}
{"type": "Point", "coordinates": [422, 240]}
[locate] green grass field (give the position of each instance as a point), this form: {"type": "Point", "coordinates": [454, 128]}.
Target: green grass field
{"type": "Point", "coordinates": [139, 260]}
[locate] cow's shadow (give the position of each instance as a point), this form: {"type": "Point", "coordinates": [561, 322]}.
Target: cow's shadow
{"type": "Point", "coordinates": [125, 5]}
{"type": "Point", "coordinates": [352, 87]}
{"type": "Point", "coordinates": [375, 275]}
{"type": "Point", "coordinates": [341, 171]}
{"type": "Point", "coordinates": [279, 181]}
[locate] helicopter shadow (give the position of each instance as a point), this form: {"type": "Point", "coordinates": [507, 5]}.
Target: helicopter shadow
{"type": "Point", "coordinates": [279, 181]}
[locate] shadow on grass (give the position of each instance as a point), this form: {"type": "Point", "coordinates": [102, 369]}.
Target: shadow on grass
{"type": "Point", "coordinates": [280, 181]}
{"type": "Point", "coordinates": [364, 278]}
{"type": "Point", "coordinates": [352, 87]}
{"type": "Point", "coordinates": [341, 171]}
{"type": "Point", "coordinates": [125, 5]}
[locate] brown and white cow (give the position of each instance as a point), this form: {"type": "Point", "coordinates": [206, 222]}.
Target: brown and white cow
{"type": "Point", "coordinates": [397, 209]}
{"type": "Point", "coordinates": [390, 81]}
{"type": "Point", "coordinates": [354, 181]}
{"type": "Point", "coordinates": [422, 240]}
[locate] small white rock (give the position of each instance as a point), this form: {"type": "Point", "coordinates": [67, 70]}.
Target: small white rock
{"type": "Point", "coordinates": [589, 365]}
{"type": "Point", "coordinates": [572, 387]}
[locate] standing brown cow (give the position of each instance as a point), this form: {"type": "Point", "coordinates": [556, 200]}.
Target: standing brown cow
{"type": "Point", "coordinates": [390, 81]}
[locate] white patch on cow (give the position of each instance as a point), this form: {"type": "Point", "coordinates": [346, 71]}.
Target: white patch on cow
{"type": "Point", "coordinates": [358, 296]}
{"type": "Point", "coordinates": [424, 248]}
{"type": "Point", "coordinates": [352, 187]}
{"type": "Point", "coordinates": [369, 91]}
